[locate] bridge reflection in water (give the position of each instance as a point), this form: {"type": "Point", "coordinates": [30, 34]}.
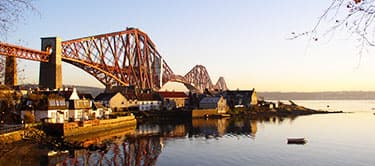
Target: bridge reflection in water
{"type": "Point", "coordinates": [144, 146]}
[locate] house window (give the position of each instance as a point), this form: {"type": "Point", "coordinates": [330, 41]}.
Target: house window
{"type": "Point", "coordinates": [62, 103]}
{"type": "Point", "coordinates": [52, 102]}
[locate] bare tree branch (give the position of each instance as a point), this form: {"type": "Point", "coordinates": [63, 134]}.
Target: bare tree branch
{"type": "Point", "coordinates": [11, 12]}
{"type": "Point", "coordinates": [355, 16]}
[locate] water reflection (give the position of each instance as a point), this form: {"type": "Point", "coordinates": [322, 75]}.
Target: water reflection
{"type": "Point", "coordinates": [144, 146]}
{"type": "Point", "coordinates": [133, 151]}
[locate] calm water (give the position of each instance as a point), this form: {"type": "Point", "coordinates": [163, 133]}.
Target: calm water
{"type": "Point", "coordinates": [333, 139]}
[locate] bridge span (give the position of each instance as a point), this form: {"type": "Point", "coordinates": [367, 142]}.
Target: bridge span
{"type": "Point", "coordinates": [121, 58]}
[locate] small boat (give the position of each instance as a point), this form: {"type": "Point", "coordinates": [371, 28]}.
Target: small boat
{"type": "Point", "coordinates": [297, 141]}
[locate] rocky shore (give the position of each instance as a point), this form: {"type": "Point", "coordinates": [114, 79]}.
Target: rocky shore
{"type": "Point", "coordinates": [282, 109]}
{"type": "Point", "coordinates": [23, 153]}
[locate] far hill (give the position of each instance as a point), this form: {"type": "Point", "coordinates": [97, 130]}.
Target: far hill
{"type": "Point", "coordinates": [94, 91]}
{"type": "Point", "coordinates": [341, 95]}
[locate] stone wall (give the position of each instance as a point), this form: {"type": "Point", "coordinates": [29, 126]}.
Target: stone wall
{"type": "Point", "coordinates": [88, 127]}
{"type": "Point", "coordinates": [203, 112]}
{"type": "Point", "coordinates": [11, 137]}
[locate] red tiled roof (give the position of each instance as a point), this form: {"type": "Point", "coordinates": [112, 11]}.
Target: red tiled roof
{"type": "Point", "coordinates": [172, 94]}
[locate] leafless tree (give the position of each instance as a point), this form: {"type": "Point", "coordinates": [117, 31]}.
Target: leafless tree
{"type": "Point", "coordinates": [354, 16]}
{"type": "Point", "coordinates": [11, 12]}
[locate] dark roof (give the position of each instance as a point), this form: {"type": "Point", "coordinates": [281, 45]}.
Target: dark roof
{"type": "Point", "coordinates": [172, 94]}
{"type": "Point", "coordinates": [65, 94]}
{"type": "Point", "coordinates": [130, 96]}
{"type": "Point", "coordinates": [104, 96]}
{"type": "Point", "coordinates": [146, 97]}
{"type": "Point", "coordinates": [97, 105]}
{"type": "Point", "coordinates": [210, 100]}
{"type": "Point", "coordinates": [4, 87]}
{"type": "Point", "coordinates": [85, 96]}
{"type": "Point", "coordinates": [231, 92]}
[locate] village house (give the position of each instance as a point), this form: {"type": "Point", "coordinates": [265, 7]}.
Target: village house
{"type": "Point", "coordinates": [148, 101]}
{"type": "Point", "coordinates": [241, 98]}
{"type": "Point", "coordinates": [173, 100]}
{"type": "Point", "coordinates": [99, 111]}
{"type": "Point", "coordinates": [87, 96]}
{"type": "Point", "coordinates": [79, 108]}
{"type": "Point", "coordinates": [50, 108]}
{"type": "Point", "coordinates": [75, 108]}
{"type": "Point", "coordinates": [130, 93]}
{"type": "Point", "coordinates": [217, 103]}
{"type": "Point", "coordinates": [117, 101]}
{"type": "Point", "coordinates": [209, 106]}
{"type": "Point", "coordinates": [131, 100]}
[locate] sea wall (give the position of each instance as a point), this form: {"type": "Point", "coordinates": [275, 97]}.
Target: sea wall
{"type": "Point", "coordinates": [11, 137]}
{"type": "Point", "coordinates": [203, 112]}
{"type": "Point", "coordinates": [87, 127]}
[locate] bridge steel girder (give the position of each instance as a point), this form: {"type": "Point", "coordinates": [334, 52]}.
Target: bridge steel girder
{"type": "Point", "coordinates": [12, 52]}
{"type": "Point", "coordinates": [199, 78]}
{"type": "Point", "coordinates": [23, 52]}
{"type": "Point", "coordinates": [221, 84]}
{"type": "Point", "coordinates": [120, 58]}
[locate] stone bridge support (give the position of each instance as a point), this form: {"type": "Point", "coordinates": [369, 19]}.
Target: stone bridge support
{"type": "Point", "coordinates": [10, 71]}
{"type": "Point", "coordinates": [50, 73]}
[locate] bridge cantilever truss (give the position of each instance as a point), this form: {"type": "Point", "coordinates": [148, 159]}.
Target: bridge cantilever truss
{"type": "Point", "coordinates": [23, 52]}
{"type": "Point", "coordinates": [123, 58]}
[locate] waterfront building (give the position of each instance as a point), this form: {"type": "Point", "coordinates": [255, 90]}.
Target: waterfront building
{"type": "Point", "coordinates": [131, 100]}
{"type": "Point", "coordinates": [217, 103]}
{"type": "Point", "coordinates": [115, 101]}
{"type": "Point", "coordinates": [172, 100]}
{"type": "Point", "coordinates": [241, 98]}
{"type": "Point", "coordinates": [99, 111]}
{"type": "Point", "coordinates": [52, 109]}
{"type": "Point", "coordinates": [148, 101]}
{"type": "Point", "coordinates": [211, 106]}
{"type": "Point", "coordinates": [79, 107]}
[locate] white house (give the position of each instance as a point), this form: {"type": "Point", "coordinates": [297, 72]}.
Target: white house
{"type": "Point", "coordinates": [54, 110]}
{"type": "Point", "coordinates": [148, 101]}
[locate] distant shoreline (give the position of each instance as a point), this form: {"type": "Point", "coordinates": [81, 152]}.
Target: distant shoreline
{"type": "Point", "coordinates": [343, 95]}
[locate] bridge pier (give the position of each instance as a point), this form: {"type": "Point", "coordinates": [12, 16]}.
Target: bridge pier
{"type": "Point", "coordinates": [50, 73]}
{"type": "Point", "coordinates": [10, 71]}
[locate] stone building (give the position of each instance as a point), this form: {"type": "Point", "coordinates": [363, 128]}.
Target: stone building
{"type": "Point", "coordinates": [172, 100]}
{"type": "Point", "coordinates": [241, 98]}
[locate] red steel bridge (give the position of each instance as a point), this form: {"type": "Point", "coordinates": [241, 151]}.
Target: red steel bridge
{"type": "Point", "coordinates": [121, 58]}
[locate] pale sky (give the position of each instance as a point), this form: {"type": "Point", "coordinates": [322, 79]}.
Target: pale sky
{"type": "Point", "coordinates": [242, 40]}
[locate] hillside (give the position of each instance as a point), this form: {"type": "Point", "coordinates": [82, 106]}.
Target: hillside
{"type": "Point", "coordinates": [342, 95]}
{"type": "Point", "coordinates": [94, 91]}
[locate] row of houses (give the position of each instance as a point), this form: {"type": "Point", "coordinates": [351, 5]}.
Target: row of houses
{"type": "Point", "coordinates": [59, 106]}
{"type": "Point", "coordinates": [222, 102]}
{"type": "Point", "coordinates": [144, 101]}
